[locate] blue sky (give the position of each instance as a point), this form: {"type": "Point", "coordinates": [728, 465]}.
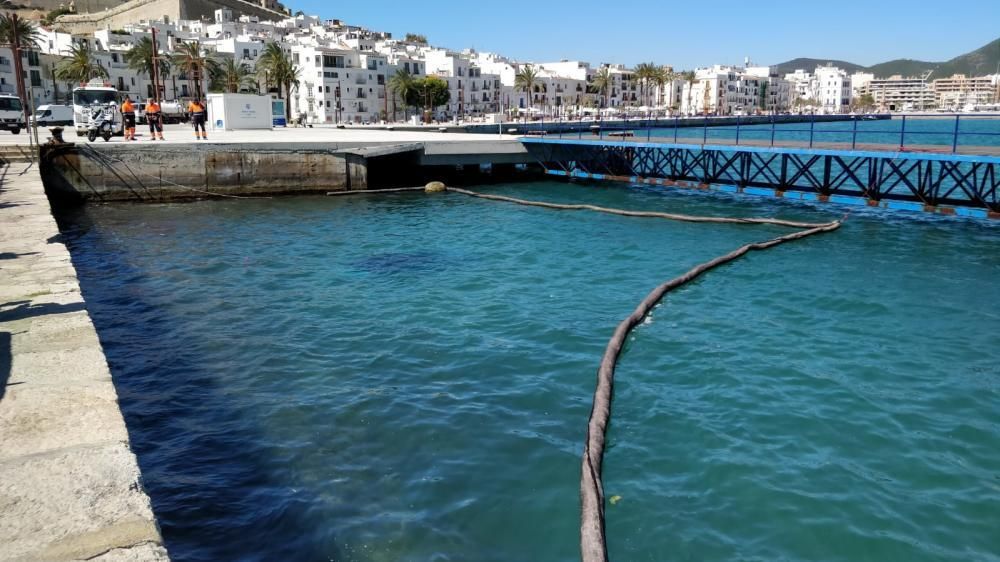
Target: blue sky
{"type": "Point", "coordinates": [684, 34]}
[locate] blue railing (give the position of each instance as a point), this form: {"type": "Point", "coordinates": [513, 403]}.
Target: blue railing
{"type": "Point", "coordinates": [940, 132]}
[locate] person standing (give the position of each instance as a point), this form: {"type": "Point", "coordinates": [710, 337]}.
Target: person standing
{"type": "Point", "coordinates": [154, 116]}
{"type": "Point", "coordinates": [128, 116]}
{"type": "Point", "coordinates": [198, 116]}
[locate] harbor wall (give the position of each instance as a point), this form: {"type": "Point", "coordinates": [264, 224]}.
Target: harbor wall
{"type": "Point", "coordinates": [70, 484]}
{"type": "Point", "coordinates": [78, 173]}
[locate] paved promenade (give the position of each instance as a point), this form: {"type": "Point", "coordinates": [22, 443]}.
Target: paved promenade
{"type": "Point", "coordinates": [70, 486]}
{"type": "Point", "coordinates": [185, 134]}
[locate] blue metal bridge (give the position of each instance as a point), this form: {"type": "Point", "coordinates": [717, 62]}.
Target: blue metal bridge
{"type": "Point", "coordinates": [941, 178]}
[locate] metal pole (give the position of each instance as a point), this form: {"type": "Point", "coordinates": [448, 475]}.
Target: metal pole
{"type": "Point", "coordinates": [812, 127]}
{"type": "Point", "coordinates": [737, 130]}
{"type": "Point", "coordinates": [954, 138]}
{"type": "Point", "coordinates": [902, 134]}
{"type": "Point", "coordinates": [156, 68]}
{"type": "Point", "coordinates": [704, 132]}
{"type": "Point", "coordinates": [772, 130]}
{"type": "Point", "coordinates": [18, 68]}
{"type": "Point", "coordinates": [677, 122]}
{"type": "Point", "coordinates": [854, 133]}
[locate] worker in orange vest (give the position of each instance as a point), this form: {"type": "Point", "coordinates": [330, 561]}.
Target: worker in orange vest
{"type": "Point", "coordinates": [155, 119]}
{"type": "Point", "coordinates": [128, 113]}
{"type": "Point", "coordinates": [198, 116]}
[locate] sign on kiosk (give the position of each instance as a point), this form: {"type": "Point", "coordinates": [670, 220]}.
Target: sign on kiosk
{"type": "Point", "coordinates": [231, 112]}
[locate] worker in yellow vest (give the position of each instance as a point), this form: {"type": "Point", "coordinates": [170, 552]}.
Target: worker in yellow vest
{"type": "Point", "coordinates": [198, 116]}
{"type": "Point", "coordinates": [154, 117]}
{"type": "Point", "coordinates": [128, 115]}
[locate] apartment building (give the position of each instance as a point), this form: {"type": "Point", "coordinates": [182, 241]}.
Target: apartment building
{"type": "Point", "coordinates": [960, 91]}
{"type": "Point", "coordinates": [901, 94]}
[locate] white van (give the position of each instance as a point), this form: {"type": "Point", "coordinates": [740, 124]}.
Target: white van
{"type": "Point", "coordinates": [49, 115]}
{"type": "Point", "coordinates": [11, 113]}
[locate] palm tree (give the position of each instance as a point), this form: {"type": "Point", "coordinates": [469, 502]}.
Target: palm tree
{"type": "Point", "coordinates": [401, 84]}
{"type": "Point", "coordinates": [231, 75]}
{"type": "Point", "coordinates": [140, 59]}
{"type": "Point", "coordinates": [269, 61]}
{"type": "Point", "coordinates": [644, 73]}
{"type": "Point", "coordinates": [279, 71]}
{"type": "Point", "coordinates": [525, 80]}
{"type": "Point", "coordinates": [602, 83]}
{"type": "Point", "coordinates": [194, 63]}
{"type": "Point", "coordinates": [664, 75]}
{"type": "Point", "coordinates": [289, 73]}
{"type": "Point", "coordinates": [689, 77]}
{"type": "Point", "coordinates": [25, 32]}
{"type": "Point", "coordinates": [80, 65]}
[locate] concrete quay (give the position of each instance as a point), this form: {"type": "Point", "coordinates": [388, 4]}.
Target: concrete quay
{"type": "Point", "coordinates": [257, 163]}
{"type": "Point", "coordinates": [70, 486]}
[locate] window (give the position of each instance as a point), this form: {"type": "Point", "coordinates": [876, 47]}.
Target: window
{"type": "Point", "coordinates": [36, 78]}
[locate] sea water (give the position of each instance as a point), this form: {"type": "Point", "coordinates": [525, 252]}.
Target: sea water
{"type": "Point", "coordinates": [408, 377]}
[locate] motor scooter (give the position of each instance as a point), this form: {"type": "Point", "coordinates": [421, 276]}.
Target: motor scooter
{"type": "Point", "coordinates": [105, 122]}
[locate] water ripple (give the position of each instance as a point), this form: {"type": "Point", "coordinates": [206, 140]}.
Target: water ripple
{"type": "Point", "coordinates": [408, 378]}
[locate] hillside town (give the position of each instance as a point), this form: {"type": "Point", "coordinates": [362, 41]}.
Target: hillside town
{"type": "Point", "coordinates": [349, 74]}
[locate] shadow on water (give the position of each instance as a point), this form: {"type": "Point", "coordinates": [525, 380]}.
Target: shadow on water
{"type": "Point", "coordinates": [217, 493]}
{"type": "Point", "coordinates": [402, 262]}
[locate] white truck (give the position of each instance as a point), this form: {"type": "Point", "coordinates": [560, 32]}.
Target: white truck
{"type": "Point", "coordinates": [86, 99]}
{"type": "Point", "coordinates": [11, 113]}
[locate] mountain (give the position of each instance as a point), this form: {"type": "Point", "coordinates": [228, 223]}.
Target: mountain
{"type": "Point", "coordinates": [810, 64]}
{"type": "Point", "coordinates": [982, 61]}
{"type": "Point", "coordinates": [902, 67]}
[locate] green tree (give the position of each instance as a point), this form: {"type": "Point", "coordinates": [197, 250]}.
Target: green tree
{"type": "Point", "coordinates": [194, 63]}
{"type": "Point", "coordinates": [270, 60]}
{"type": "Point", "coordinates": [645, 73]}
{"type": "Point", "coordinates": [279, 72]}
{"type": "Point", "coordinates": [525, 80]}
{"type": "Point", "coordinates": [864, 102]}
{"type": "Point", "coordinates": [601, 84]}
{"type": "Point", "coordinates": [429, 92]}
{"type": "Point", "coordinates": [231, 76]}
{"type": "Point", "coordinates": [415, 38]}
{"type": "Point", "coordinates": [401, 84]}
{"type": "Point", "coordinates": [664, 75]}
{"type": "Point", "coordinates": [140, 59]}
{"type": "Point", "coordinates": [689, 77]}
{"type": "Point", "coordinates": [25, 32]}
{"type": "Point", "coordinates": [80, 65]}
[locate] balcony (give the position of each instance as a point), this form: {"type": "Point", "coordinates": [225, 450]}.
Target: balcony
{"type": "Point", "coordinates": [360, 80]}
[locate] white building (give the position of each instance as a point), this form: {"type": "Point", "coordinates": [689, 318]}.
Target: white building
{"type": "Point", "coordinates": [833, 89]}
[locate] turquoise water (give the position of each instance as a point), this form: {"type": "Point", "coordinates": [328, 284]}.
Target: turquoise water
{"type": "Point", "coordinates": [972, 131]}
{"type": "Point", "coordinates": [408, 377]}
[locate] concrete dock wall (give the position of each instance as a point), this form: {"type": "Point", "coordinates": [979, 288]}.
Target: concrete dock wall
{"type": "Point", "coordinates": [70, 486]}
{"type": "Point", "coordinates": [119, 172]}
{"type": "Point", "coordinates": [84, 172]}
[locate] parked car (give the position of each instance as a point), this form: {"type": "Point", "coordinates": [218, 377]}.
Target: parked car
{"type": "Point", "coordinates": [49, 115]}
